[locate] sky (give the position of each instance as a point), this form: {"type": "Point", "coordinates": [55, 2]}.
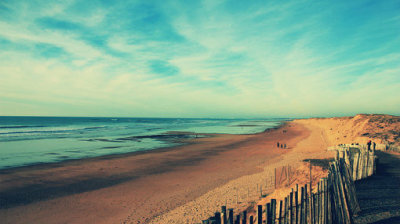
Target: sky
{"type": "Point", "coordinates": [212, 59]}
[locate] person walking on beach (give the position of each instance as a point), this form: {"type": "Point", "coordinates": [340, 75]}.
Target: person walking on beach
{"type": "Point", "coordinates": [284, 146]}
{"type": "Point", "coordinates": [369, 145]}
{"type": "Point", "coordinates": [277, 144]}
{"type": "Point", "coordinates": [374, 145]}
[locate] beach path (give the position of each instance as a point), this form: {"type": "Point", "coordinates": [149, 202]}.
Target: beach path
{"type": "Point", "coordinates": [379, 195]}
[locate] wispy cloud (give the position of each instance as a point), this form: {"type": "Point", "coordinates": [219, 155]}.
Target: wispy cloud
{"type": "Point", "coordinates": [199, 58]}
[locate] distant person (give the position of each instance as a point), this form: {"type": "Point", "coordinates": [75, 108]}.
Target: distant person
{"type": "Point", "coordinates": [277, 144]}
{"type": "Point", "coordinates": [369, 145]}
{"type": "Point", "coordinates": [374, 145]}
{"type": "Point", "coordinates": [284, 146]}
{"type": "Point", "coordinates": [281, 146]}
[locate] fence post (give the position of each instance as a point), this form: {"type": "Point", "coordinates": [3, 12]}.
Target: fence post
{"type": "Point", "coordinates": [230, 219]}
{"type": "Point", "coordinates": [343, 192]}
{"type": "Point", "coordinates": [326, 200]}
{"type": "Point", "coordinates": [285, 215]}
{"type": "Point", "coordinates": [259, 214]}
{"type": "Point", "coordinates": [291, 207]}
{"type": "Point", "coordinates": [223, 212]}
{"type": "Point", "coordinates": [329, 188]}
{"type": "Point", "coordinates": [218, 217]}
{"type": "Point", "coordinates": [337, 204]}
{"type": "Point", "coordinates": [318, 206]}
{"type": "Point", "coordinates": [313, 212]}
{"type": "Point", "coordinates": [356, 159]}
{"type": "Point", "coordinates": [322, 200]}
{"type": "Point", "coordinates": [306, 204]}
{"type": "Point", "coordinates": [238, 219]}
{"type": "Point", "coordinates": [273, 210]}
{"type": "Point", "coordinates": [280, 213]}
{"type": "Point", "coordinates": [268, 213]}
{"type": "Point", "coordinates": [296, 204]}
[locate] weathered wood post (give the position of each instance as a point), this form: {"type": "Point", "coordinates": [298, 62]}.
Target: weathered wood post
{"type": "Point", "coordinates": [230, 219]}
{"type": "Point", "coordinates": [251, 220]}
{"type": "Point", "coordinates": [311, 204]}
{"type": "Point", "coordinates": [343, 194]}
{"type": "Point", "coordinates": [273, 210]}
{"type": "Point", "coordinates": [329, 200]}
{"type": "Point", "coordinates": [259, 214]}
{"type": "Point", "coordinates": [222, 218]}
{"type": "Point", "coordinates": [325, 201]}
{"type": "Point", "coordinates": [244, 220]}
{"type": "Point", "coordinates": [312, 208]}
{"type": "Point", "coordinates": [322, 200]}
{"type": "Point", "coordinates": [318, 206]}
{"type": "Point", "coordinates": [291, 207]}
{"type": "Point", "coordinates": [302, 206]}
{"type": "Point", "coordinates": [218, 217]}
{"type": "Point", "coordinates": [285, 214]}
{"type": "Point", "coordinates": [280, 220]}
{"type": "Point", "coordinates": [306, 204]}
{"type": "Point", "coordinates": [237, 219]}
{"type": "Point", "coordinates": [356, 159]}
{"type": "Point", "coordinates": [296, 204]}
{"type": "Point", "coordinates": [268, 213]}
{"type": "Point", "coordinates": [223, 215]}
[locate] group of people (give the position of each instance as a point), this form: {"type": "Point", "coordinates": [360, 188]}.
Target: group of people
{"type": "Point", "coordinates": [282, 146]}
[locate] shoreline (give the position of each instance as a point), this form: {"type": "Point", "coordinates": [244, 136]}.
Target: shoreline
{"type": "Point", "coordinates": [183, 141]}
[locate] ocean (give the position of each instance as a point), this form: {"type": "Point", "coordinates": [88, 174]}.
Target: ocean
{"type": "Point", "coordinates": [34, 140]}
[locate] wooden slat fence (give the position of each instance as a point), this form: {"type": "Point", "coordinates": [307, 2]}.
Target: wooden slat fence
{"type": "Point", "coordinates": [332, 201]}
{"type": "Point", "coordinates": [360, 160]}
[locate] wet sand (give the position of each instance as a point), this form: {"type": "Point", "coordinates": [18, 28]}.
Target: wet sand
{"type": "Point", "coordinates": [136, 187]}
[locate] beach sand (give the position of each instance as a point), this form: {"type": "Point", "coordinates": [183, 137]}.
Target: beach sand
{"type": "Point", "coordinates": [134, 188]}
{"type": "Point", "coordinates": [182, 184]}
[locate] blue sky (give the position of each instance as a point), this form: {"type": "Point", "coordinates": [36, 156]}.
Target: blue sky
{"type": "Point", "coordinates": [199, 58]}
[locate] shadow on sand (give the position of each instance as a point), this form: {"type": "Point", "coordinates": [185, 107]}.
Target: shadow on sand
{"type": "Point", "coordinates": [379, 195]}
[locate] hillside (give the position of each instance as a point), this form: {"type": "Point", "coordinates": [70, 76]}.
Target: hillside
{"type": "Point", "coordinates": [359, 129]}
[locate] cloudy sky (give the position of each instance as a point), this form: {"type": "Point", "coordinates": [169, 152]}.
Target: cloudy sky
{"type": "Point", "coordinates": [199, 58]}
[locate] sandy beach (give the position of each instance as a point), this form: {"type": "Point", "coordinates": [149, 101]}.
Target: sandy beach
{"type": "Point", "coordinates": [134, 188]}
{"type": "Point", "coordinates": [173, 185]}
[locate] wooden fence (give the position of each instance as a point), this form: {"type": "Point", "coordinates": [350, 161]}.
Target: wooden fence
{"type": "Point", "coordinates": [333, 201]}
{"type": "Point", "coordinates": [361, 161]}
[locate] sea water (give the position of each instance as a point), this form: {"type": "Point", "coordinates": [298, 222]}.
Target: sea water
{"type": "Point", "coordinates": [33, 140]}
